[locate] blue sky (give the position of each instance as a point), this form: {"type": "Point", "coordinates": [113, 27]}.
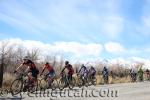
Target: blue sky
{"type": "Point", "coordinates": [116, 28]}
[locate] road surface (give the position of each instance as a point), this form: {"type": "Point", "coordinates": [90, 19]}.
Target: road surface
{"type": "Point", "coordinates": [124, 91]}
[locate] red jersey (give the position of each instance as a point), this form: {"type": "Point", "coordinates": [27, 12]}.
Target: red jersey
{"type": "Point", "coordinates": [70, 69]}
{"type": "Point", "coordinates": [49, 68]}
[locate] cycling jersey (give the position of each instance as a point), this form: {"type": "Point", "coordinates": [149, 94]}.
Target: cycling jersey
{"type": "Point", "coordinates": [30, 64]}
{"type": "Point", "coordinates": [105, 71]}
{"type": "Point", "coordinates": [49, 68]}
{"type": "Point", "coordinates": [83, 70]}
{"type": "Point", "coordinates": [92, 71]}
{"type": "Point", "coordinates": [69, 68]}
{"type": "Point", "coordinates": [32, 68]}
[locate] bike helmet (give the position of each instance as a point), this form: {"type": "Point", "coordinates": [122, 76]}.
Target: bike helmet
{"type": "Point", "coordinates": [47, 63]}
{"type": "Point", "coordinates": [66, 62]}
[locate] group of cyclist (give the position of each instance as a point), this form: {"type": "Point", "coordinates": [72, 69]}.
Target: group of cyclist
{"type": "Point", "coordinates": [32, 71]}
{"type": "Point", "coordinates": [85, 72]}
{"type": "Point", "coordinates": [139, 74]}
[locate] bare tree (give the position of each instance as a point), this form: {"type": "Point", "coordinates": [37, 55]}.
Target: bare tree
{"type": "Point", "coordinates": [34, 54]}
{"type": "Point", "coordinates": [5, 55]}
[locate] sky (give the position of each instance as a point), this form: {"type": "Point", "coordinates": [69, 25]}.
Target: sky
{"type": "Point", "coordinates": [79, 29]}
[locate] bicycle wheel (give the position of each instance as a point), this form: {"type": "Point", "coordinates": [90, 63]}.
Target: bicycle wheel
{"type": "Point", "coordinates": [4, 92]}
{"type": "Point", "coordinates": [16, 87]}
{"type": "Point", "coordinates": [86, 82]}
{"type": "Point", "coordinates": [33, 86]}
{"type": "Point", "coordinates": [89, 81]}
{"type": "Point", "coordinates": [80, 82]}
{"type": "Point", "coordinates": [106, 80]}
{"type": "Point", "coordinates": [62, 83]}
{"type": "Point", "coordinates": [54, 84]}
{"type": "Point", "coordinates": [94, 81]}
{"type": "Point", "coordinates": [71, 83]}
{"type": "Point", "coordinates": [43, 84]}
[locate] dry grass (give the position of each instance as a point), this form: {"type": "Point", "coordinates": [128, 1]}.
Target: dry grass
{"type": "Point", "coordinates": [8, 78]}
{"type": "Point", "coordinates": [121, 80]}
{"type": "Point", "coordinates": [112, 80]}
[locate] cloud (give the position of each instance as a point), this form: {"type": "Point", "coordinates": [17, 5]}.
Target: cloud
{"type": "Point", "coordinates": [64, 17]}
{"type": "Point", "coordinates": [79, 52]}
{"type": "Point", "coordinates": [114, 48]}
{"type": "Point", "coordinates": [143, 25]}
{"type": "Point", "coordinates": [79, 49]}
{"type": "Point", "coordinates": [71, 49]}
{"type": "Point", "coordinates": [129, 62]}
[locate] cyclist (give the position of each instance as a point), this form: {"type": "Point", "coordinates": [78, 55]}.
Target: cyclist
{"type": "Point", "coordinates": [51, 72]}
{"type": "Point", "coordinates": [31, 70]}
{"type": "Point", "coordinates": [92, 72]}
{"type": "Point", "coordinates": [83, 71]}
{"type": "Point", "coordinates": [70, 70]}
{"type": "Point", "coordinates": [133, 75]}
{"type": "Point", "coordinates": [105, 74]}
{"type": "Point", "coordinates": [140, 74]}
{"type": "Point", "coordinates": [148, 74]}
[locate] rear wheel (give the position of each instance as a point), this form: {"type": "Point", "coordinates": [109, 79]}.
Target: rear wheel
{"type": "Point", "coordinates": [33, 86]}
{"type": "Point", "coordinates": [62, 83]}
{"type": "Point", "coordinates": [105, 79]}
{"type": "Point", "coordinates": [72, 83]}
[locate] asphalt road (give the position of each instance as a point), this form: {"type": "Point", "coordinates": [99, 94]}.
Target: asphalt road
{"type": "Point", "coordinates": [125, 91]}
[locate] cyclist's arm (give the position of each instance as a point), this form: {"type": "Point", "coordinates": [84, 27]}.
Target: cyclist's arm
{"type": "Point", "coordinates": [28, 68]}
{"type": "Point", "coordinates": [80, 70]}
{"type": "Point", "coordinates": [43, 70]}
{"type": "Point", "coordinates": [94, 70]}
{"type": "Point", "coordinates": [18, 67]}
{"type": "Point", "coordinates": [63, 70]}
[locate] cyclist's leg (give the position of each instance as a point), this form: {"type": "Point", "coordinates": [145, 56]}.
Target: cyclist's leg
{"type": "Point", "coordinates": [69, 77]}
{"type": "Point", "coordinates": [27, 81]}
{"type": "Point", "coordinates": [84, 76]}
{"type": "Point", "coordinates": [29, 77]}
{"type": "Point", "coordinates": [93, 76]}
{"type": "Point", "coordinates": [51, 76]}
{"type": "Point", "coordinates": [34, 77]}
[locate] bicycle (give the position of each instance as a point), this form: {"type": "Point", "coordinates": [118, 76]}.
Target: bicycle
{"type": "Point", "coordinates": [148, 76]}
{"type": "Point", "coordinates": [105, 79]}
{"type": "Point", "coordinates": [92, 80]}
{"type": "Point", "coordinates": [133, 77]}
{"type": "Point", "coordinates": [22, 83]}
{"type": "Point", "coordinates": [81, 81]}
{"type": "Point", "coordinates": [140, 78]}
{"type": "Point", "coordinates": [65, 81]}
{"type": "Point", "coordinates": [46, 82]}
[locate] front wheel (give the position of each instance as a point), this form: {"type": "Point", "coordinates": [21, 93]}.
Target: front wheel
{"type": "Point", "coordinates": [105, 79]}
{"type": "Point", "coordinates": [79, 82]}
{"type": "Point", "coordinates": [54, 84]}
{"type": "Point", "coordinates": [94, 81]}
{"type": "Point", "coordinates": [16, 87]}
